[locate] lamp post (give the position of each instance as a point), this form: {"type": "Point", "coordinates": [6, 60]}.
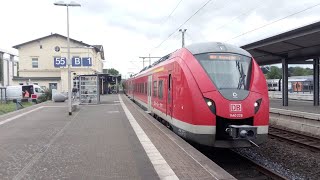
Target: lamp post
{"type": "Point", "coordinates": [72, 3]}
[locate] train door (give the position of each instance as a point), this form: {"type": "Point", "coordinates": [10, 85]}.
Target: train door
{"type": "Point", "coordinates": [169, 100]}
{"type": "Point", "coordinates": [149, 92]}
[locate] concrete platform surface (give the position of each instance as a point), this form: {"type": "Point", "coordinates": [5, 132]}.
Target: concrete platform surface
{"type": "Point", "coordinates": [96, 142]}
{"type": "Point", "coordinates": [296, 105]}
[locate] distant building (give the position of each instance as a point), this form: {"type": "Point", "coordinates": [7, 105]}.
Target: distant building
{"type": "Point", "coordinates": [8, 68]}
{"type": "Point", "coordinates": [43, 61]}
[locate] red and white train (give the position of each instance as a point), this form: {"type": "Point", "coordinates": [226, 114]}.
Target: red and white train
{"type": "Point", "coordinates": [212, 93]}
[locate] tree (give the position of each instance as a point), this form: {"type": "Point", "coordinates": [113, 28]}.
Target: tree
{"type": "Point", "coordinates": [299, 71]}
{"type": "Point", "coordinates": [111, 71]}
{"type": "Point", "coordinates": [274, 73]}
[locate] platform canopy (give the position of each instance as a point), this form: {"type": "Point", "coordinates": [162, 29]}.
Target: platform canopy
{"type": "Point", "coordinates": [297, 46]}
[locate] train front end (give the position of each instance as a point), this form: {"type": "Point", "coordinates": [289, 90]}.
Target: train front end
{"type": "Point", "coordinates": [235, 94]}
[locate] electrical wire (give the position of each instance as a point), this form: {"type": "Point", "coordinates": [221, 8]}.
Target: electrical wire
{"type": "Point", "coordinates": [189, 36]}
{"type": "Point", "coordinates": [183, 23]}
{"type": "Point", "coordinates": [172, 12]}
{"type": "Point", "coordinates": [252, 30]}
{"type": "Point", "coordinates": [240, 15]}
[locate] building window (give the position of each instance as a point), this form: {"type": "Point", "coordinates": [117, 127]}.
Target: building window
{"type": "Point", "coordinates": [35, 63]}
{"type": "Point", "coordinates": [160, 90]}
{"type": "Point", "coordinates": [53, 86]}
{"type": "Point", "coordinates": [154, 88]}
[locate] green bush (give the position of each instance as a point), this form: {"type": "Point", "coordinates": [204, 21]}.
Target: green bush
{"type": "Point", "coordinates": [42, 98]}
{"type": "Point", "coordinates": [46, 96]}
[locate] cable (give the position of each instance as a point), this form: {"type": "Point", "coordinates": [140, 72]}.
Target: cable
{"type": "Point", "coordinates": [172, 12]}
{"type": "Point", "coordinates": [183, 24]}
{"type": "Point", "coordinates": [273, 22]}
{"type": "Point", "coordinates": [236, 17]}
{"type": "Point", "coordinates": [189, 36]}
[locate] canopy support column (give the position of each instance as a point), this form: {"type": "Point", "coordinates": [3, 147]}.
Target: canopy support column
{"type": "Point", "coordinates": [284, 82]}
{"type": "Point", "coordinates": [316, 82]}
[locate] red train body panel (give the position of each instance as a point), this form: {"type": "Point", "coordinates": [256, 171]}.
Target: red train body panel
{"type": "Point", "coordinates": [211, 93]}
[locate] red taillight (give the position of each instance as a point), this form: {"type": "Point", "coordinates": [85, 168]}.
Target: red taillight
{"type": "Point", "coordinates": [34, 96]}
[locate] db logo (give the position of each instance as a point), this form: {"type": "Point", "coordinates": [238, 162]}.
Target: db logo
{"type": "Point", "coordinates": [235, 108]}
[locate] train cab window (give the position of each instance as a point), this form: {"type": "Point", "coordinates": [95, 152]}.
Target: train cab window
{"type": "Point", "coordinates": [160, 89]}
{"type": "Point", "coordinates": [227, 71]}
{"type": "Point", "coordinates": [154, 89]}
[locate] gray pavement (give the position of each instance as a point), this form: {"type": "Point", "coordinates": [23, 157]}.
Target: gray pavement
{"type": "Point", "coordinates": [97, 142]}
{"type": "Point", "coordinates": [296, 105]}
{"type": "Point", "coordinates": [185, 160]}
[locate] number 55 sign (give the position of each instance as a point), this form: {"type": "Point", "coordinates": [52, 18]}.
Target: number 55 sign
{"type": "Point", "coordinates": [60, 62]}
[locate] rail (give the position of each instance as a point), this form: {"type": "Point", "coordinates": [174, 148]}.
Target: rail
{"type": "Point", "coordinates": [306, 141]}
{"type": "Point", "coordinates": [262, 169]}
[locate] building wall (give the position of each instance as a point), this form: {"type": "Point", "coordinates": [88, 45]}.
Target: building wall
{"type": "Point", "coordinates": [44, 51]}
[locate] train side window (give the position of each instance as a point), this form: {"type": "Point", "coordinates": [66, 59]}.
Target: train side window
{"type": "Point", "coordinates": [139, 87]}
{"type": "Point", "coordinates": [154, 88]}
{"type": "Point", "coordinates": [145, 88]}
{"type": "Point", "coordinates": [160, 89]}
{"type": "Point", "coordinates": [169, 88]}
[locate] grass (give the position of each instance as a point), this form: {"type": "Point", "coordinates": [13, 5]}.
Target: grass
{"type": "Point", "coordinates": [10, 106]}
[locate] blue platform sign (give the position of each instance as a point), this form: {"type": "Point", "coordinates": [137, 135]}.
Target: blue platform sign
{"type": "Point", "coordinates": [59, 61]}
{"type": "Point", "coordinates": [86, 61]}
{"type": "Point", "coordinates": [76, 61]}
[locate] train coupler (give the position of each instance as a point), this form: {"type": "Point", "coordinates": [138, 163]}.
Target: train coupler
{"type": "Point", "coordinates": [242, 132]}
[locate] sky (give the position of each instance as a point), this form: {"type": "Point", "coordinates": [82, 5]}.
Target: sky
{"type": "Point", "coordinates": [130, 29]}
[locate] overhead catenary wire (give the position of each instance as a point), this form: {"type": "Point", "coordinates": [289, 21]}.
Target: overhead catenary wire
{"type": "Point", "coordinates": [280, 19]}
{"type": "Point", "coordinates": [172, 12]}
{"type": "Point", "coordinates": [183, 23]}
{"type": "Point", "coordinates": [238, 16]}
{"type": "Point", "coordinates": [188, 34]}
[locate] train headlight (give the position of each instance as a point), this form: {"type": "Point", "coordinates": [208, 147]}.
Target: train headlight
{"type": "Point", "coordinates": [211, 105]}
{"type": "Point", "coordinates": [257, 105]}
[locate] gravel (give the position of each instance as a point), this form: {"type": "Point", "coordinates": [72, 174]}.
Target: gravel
{"type": "Point", "coordinates": [287, 159]}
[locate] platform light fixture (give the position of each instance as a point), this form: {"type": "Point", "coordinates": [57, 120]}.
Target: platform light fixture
{"type": "Point", "coordinates": [72, 4]}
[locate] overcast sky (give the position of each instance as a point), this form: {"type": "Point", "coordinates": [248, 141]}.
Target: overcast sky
{"type": "Point", "coordinates": [128, 29]}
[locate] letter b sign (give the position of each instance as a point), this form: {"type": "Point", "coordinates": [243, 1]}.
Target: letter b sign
{"type": "Point", "coordinates": [76, 61]}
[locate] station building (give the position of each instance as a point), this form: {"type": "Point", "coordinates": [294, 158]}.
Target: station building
{"type": "Point", "coordinates": [43, 61]}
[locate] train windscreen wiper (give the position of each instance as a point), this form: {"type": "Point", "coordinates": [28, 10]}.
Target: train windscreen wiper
{"type": "Point", "coordinates": [242, 77]}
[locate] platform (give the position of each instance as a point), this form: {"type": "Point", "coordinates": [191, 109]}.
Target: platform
{"type": "Point", "coordinates": [296, 105]}
{"type": "Point", "coordinates": [113, 140]}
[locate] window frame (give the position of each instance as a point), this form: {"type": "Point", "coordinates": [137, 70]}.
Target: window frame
{"type": "Point", "coordinates": [160, 89]}
{"type": "Point", "coordinates": [34, 59]}
{"type": "Point", "coordinates": [154, 90]}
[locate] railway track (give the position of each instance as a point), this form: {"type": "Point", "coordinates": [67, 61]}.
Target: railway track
{"type": "Point", "coordinates": [238, 165]}
{"type": "Point", "coordinates": [305, 141]}
{"type": "Point", "coordinates": [269, 173]}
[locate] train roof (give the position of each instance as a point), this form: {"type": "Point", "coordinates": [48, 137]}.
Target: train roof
{"type": "Point", "coordinates": [206, 47]}
{"type": "Point", "coordinates": [216, 47]}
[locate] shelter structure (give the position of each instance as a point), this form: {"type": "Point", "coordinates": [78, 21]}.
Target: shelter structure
{"type": "Point", "coordinates": [298, 46]}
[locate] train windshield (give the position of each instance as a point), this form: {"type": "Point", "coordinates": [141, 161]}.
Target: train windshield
{"type": "Point", "coordinates": [227, 71]}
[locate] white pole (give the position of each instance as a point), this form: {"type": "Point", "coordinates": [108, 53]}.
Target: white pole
{"type": "Point", "coordinates": [69, 64]}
